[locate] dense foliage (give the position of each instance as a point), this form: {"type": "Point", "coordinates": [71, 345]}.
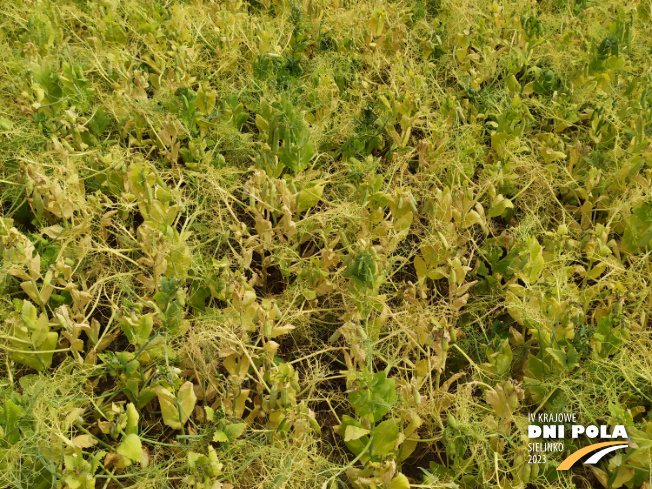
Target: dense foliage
{"type": "Point", "coordinates": [322, 243]}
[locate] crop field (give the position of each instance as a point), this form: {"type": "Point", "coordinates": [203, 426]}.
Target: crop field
{"type": "Point", "coordinates": [364, 244]}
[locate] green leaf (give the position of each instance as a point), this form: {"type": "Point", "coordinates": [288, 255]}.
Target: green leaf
{"type": "Point", "coordinates": [195, 458]}
{"type": "Point", "coordinates": [41, 358]}
{"type": "Point", "coordinates": [162, 299]}
{"type": "Point", "coordinates": [513, 86]}
{"type": "Point", "coordinates": [5, 124]}
{"type": "Point", "coordinates": [638, 231]}
{"type": "Point", "coordinates": [99, 122]}
{"type": "Point", "coordinates": [131, 447]}
{"type": "Point", "coordinates": [210, 465]}
{"type": "Point", "coordinates": [205, 101]}
{"type": "Point", "coordinates": [535, 368]}
{"type": "Point", "coordinates": [362, 270]}
{"type": "Point", "coordinates": [498, 143]}
{"type": "Point", "coordinates": [9, 417]}
{"type": "Point", "coordinates": [375, 396]}
{"type": "Point", "coordinates": [173, 317]}
{"type": "Point", "coordinates": [558, 355]}
{"type": "Point", "coordinates": [643, 11]}
{"type": "Point", "coordinates": [572, 356]}
{"type": "Point", "coordinates": [115, 32]}
{"type": "Point", "coordinates": [234, 430]}
{"type": "Point", "coordinates": [384, 437]}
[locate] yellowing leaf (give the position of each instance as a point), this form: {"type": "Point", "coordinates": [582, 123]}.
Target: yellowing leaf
{"type": "Point", "coordinates": [169, 409]}
{"type": "Point", "coordinates": [624, 474]}
{"type": "Point", "coordinates": [220, 436]}
{"type": "Point", "coordinates": [500, 205]}
{"type": "Point", "coordinates": [515, 307]}
{"type": "Point", "coordinates": [176, 410]}
{"type": "Point", "coordinates": [472, 218]}
{"type": "Point", "coordinates": [240, 403]}
{"type": "Point", "coordinates": [31, 291]}
{"type": "Point", "coordinates": [597, 270]}
{"type": "Point", "coordinates": [84, 441]}
{"type": "Point", "coordinates": [433, 255]}
{"type": "Point", "coordinates": [131, 447]}
{"type": "Point", "coordinates": [538, 264]}
{"type": "Point", "coordinates": [399, 482]}
{"type": "Point", "coordinates": [281, 330]}
{"type": "Point", "coordinates": [132, 419]}
{"type": "Point", "coordinates": [309, 197]}
{"type": "Point", "coordinates": [404, 222]}
{"type": "Point", "coordinates": [138, 329]}
{"type": "Point", "coordinates": [354, 432]}
{"type": "Point", "coordinates": [421, 267]}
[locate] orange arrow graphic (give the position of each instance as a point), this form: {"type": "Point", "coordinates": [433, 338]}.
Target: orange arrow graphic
{"type": "Point", "coordinates": [575, 456]}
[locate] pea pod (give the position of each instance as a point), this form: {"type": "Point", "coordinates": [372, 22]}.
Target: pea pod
{"type": "Point", "coordinates": [274, 140]}
{"type": "Point", "coordinates": [412, 203]}
{"type": "Point", "coordinates": [273, 396]}
{"type": "Point", "coordinates": [284, 397]}
{"type": "Point", "coordinates": [534, 472]}
{"type": "Point", "coordinates": [267, 329]}
{"type": "Point", "coordinates": [415, 395]}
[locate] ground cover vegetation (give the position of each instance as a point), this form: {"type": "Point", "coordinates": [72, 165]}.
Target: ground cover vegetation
{"type": "Point", "coordinates": [322, 243]}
